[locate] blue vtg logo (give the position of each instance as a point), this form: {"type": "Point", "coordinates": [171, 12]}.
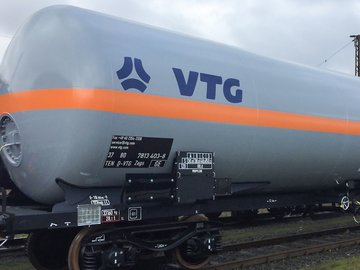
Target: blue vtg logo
{"type": "Point", "coordinates": [126, 70]}
{"type": "Point", "coordinates": [186, 86]}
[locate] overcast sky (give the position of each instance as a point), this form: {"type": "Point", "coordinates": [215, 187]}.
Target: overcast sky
{"type": "Point", "coordinates": [303, 31]}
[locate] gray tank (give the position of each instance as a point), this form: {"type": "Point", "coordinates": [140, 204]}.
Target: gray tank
{"type": "Point", "coordinates": [90, 98]}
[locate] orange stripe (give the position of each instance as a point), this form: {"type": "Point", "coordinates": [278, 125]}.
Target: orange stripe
{"type": "Point", "coordinates": [116, 101]}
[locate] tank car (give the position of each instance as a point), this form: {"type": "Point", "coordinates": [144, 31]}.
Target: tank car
{"type": "Point", "coordinates": [104, 120]}
{"type": "Point", "coordinates": [70, 87]}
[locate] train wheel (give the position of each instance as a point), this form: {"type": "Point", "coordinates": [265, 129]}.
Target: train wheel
{"type": "Point", "coordinates": [101, 257]}
{"type": "Point", "coordinates": [196, 258]}
{"type": "Point", "coordinates": [189, 261]}
{"type": "Point", "coordinates": [356, 214]}
{"type": "Point", "coordinates": [75, 249]}
{"type": "Point", "coordinates": [345, 203]}
{"type": "Point", "coordinates": [47, 250]}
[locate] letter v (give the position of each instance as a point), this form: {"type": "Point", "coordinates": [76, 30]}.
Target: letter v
{"type": "Point", "coordinates": [186, 88]}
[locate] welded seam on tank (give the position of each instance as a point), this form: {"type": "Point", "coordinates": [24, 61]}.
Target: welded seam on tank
{"type": "Point", "coordinates": [122, 102]}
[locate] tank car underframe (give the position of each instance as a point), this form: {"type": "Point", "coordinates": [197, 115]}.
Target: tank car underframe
{"type": "Point", "coordinates": [17, 219]}
{"type": "Point", "coordinates": [143, 218]}
{"type": "Point", "coordinates": [149, 206]}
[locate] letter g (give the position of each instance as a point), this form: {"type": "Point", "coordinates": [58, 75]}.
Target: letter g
{"type": "Point", "coordinates": [237, 96]}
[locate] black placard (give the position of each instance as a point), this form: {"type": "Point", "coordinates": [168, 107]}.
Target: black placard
{"type": "Point", "coordinates": [195, 163]}
{"type": "Point", "coordinates": [137, 152]}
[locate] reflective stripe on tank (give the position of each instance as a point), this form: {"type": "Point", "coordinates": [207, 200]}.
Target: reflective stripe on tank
{"type": "Point", "coordinates": [122, 102]}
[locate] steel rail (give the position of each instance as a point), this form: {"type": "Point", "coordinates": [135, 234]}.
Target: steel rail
{"type": "Point", "coordinates": [257, 260]}
{"type": "Point", "coordinates": [13, 245]}
{"type": "Point", "coordinates": [230, 223]}
{"type": "Point", "coordinates": [289, 238]}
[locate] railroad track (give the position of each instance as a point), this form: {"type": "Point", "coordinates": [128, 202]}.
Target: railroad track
{"type": "Point", "coordinates": [12, 245]}
{"type": "Point", "coordinates": [279, 248]}
{"type": "Point", "coordinates": [231, 223]}
{"type": "Point", "coordinates": [18, 244]}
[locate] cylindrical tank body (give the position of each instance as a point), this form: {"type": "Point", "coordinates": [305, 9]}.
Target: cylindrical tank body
{"type": "Point", "coordinates": [90, 98]}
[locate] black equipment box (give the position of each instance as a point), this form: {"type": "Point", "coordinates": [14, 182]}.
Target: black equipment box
{"type": "Point", "coordinates": [195, 176]}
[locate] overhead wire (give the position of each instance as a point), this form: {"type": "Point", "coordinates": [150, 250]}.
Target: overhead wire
{"type": "Point", "coordinates": [335, 53]}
